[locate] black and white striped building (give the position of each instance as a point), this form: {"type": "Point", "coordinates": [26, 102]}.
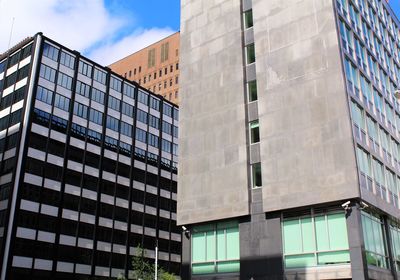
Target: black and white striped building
{"type": "Point", "coordinates": [88, 167]}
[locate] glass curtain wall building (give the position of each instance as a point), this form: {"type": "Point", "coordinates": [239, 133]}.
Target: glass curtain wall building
{"type": "Point", "coordinates": [292, 138]}
{"type": "Point", "coordinates": [88, 168]}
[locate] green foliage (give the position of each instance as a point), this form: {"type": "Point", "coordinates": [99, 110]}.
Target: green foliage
{"type": "Point", "coordinates": [143, 270]}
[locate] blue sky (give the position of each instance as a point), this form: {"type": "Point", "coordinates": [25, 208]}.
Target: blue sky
{"type": "Point", "coordinates": [103, 30]}
{"type": "Point", "coordinates": [395, 6]}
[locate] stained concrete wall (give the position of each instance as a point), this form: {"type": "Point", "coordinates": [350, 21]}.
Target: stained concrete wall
{"type": "Point", "coordinates": [213, 182]}
{"type": "Point", "coordinates": [307, 149]}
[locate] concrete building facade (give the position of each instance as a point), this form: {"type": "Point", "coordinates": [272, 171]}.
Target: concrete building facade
{"type": "Point", "coordinates": [88, 168]}
{"type": "Point", "coordinates": [289, 141]}
{"type": "Point", "coordinates": [155, 67]}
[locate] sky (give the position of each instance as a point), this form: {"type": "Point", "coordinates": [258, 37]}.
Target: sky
{"type": "Point", "coordinates": [103, 30]}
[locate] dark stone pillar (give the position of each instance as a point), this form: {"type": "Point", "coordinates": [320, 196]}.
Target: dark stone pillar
{"type": "Point", "coordinates": [186, 259]}
{"type": "Point", "coordinates": [261, 244]}
{"type": "Point", "coordinates": [359, 267]}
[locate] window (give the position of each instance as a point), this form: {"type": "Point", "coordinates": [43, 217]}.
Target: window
{"type": "Point", "coordinates": [154, 103]}
{"type": "Point", "coordinates": [113, 103]}
{"type": "Point", "coordinates": [252, 89]}
{"type": "Point", "coordinates": [47, 73]}
{"type": "Point", "coordinates": [26, 52]}
{"type": "Point", "coordinates": [115, 84]}
{"type": "Point", "coordinates": [250, 54]}
{"type": "Point", "coordinates": [64, 80]}
{"type": "Point", "coordinates": [256, 176]}
{"type": "Point", "coordinates": [153, 140]}
{"type": "Point", "coordinates": [126, 129]}
{"type": "Point", "coordinates": [23, 72]}
{"type": "Point", "coordinates": [80, 110]}
{"type": "Point", "coordinates": [175, 131]}
{"type": "Point", "coordinates": [142, 116]}
{"type": "Point", "coordinates": [171, 68]}
{"type": "Point", "coordinates": [154, 122]}
{"type": "Point", "coordinates": [170, 82]}
{"type": "Point", "coordinates": [82, 89]}
{"type": "Point", "coordinates": [97, 95]}
{"type": "Point", "coordinates": [175, 149]}
{"type": "Point", "coordinates": [13, 59]}
{"type": "Point", "coordinates": [166, 71]}
{"type": "Point", "coordinates": [166, 127]}
{"type": "Point", "coordinates": [2, 66]}
{"type": "Point", "coordinates": [140, 135]}
{"type": "Point", "coordinates": [248, 19]}
{"type": "Point", "coordinates": [151, 58]}
{"type": "Point", "coordinates": [160, 73]}
{"type": "Point", "coordinates": [176, 114]}
{"type": "Point", "coordinates": [44, 95]}
{"type": "Point", "coordinates": [176, 66]}
{"type": "Point", "coordinates": [67, 60]}
{"type": "Point", "coordinates": [143, 97]}
{"type": "Point", "coordinates": [315, 240]}
{"type": "Point", "coordinates": [127, 109]}
{"type": "Point", "coordinates": [129, 91]}
{"type": "Point", "coordinates": [375, 248]}
{"type": "Point", "coordinates": [165, 84]}
{"type": "Point", "coordinates": [215, 248]}
{"type": "Point", "coordinates": [96, 116]}
{"type": "Point", "coordinates": [61, 102]}
{"type": "Point", "coordinates": [140, 69]}
{"type": "Point", "coordinates": [166, 146]}
{"type": "Point", "coordinates": [85, 69]}
{"type": "Point", "coordinates": [167, 110]}
{"type": "Point", "coordinates": [100, 76]}
{"type": "Point", "coordinates": [164, 52]}
{"type": "Point", "coordinates": [176, 80]}
{"type": "Point", "coordinates": [112, 123]}
{"type": "Point", "coordinates": [50, 51]}
{"type": "Point", "coordinates": [395, 235]}
{"type": "Point", "coordinates": [254, 132]}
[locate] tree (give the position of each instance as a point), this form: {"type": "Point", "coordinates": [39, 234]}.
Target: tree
{"type": "Point", "coordinates": [143, 270]}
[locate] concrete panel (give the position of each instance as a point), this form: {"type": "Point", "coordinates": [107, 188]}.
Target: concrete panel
{"type": "Point", "coordinates": [306, 142]}
{"type": "Point", "coordinates": [212, 177]}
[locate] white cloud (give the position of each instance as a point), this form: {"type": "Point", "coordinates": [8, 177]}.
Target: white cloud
{"type": "Point", "coordinates": [113, 51]}
{"type": "Point", "coordinates": [77, 24]}
{"type": "Point", "coordinates": [83, 25]}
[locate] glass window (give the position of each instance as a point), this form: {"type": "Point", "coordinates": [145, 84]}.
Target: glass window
{"type": "Point", "coordinates": [252, 89]}
{"type": "Point", "coordinates": [64, 80]}
{"type": "Point", "coordinates": [248, 19]}
{"type": "Point", "coordinates": [250, 54]}
{"type": "Point", "coordinates": [395, 236]}
{"type": "Point", "coordinates": [113, 103]}
{"type": "Point", "coordinates": [97, 95]}
{"type": "Point", "coordinates": [80, 110]}
{"type": "Point", "coordinates": [96, 116]}
{"type": "Point", "coordinates": [256, 176]}
{"type": "Point", "coordinates": [374, 239]}
{"type": "Point", "coordinates": [85, 69]}
{"type": "Point", "coordinates": [166, 146]}
{"type": "Point", "coordinates": [315, 240]}
{"type": "Point", "coordinates": [127, 109]}
{"type": "Point", "coordinates": [143, 97]}
{"type": "Point", "coordinates": [67, 60]}
{"type": "Point", "coordinates": [254, 132]}
{"type": "Point", "coordinates": [129, 91]}
{"type": "Point", "coordinates": [141, 135]}
{"type": "Point", "coordinates": [100, 76]}
{"type": "Point", "coordinates": [61, 102]}
{"type": "Point", "coordinates": [47, 73]}
{"type": "Point", "coordinates": [112, 123]}
{"type": "Point", "coordinates": [82, 89]}
{"type": "Point", "coordinates": [215, 248]}
{"type": "Point", "coordinates": [50, 51]}
{"type": "Point", "coordinates": [116, 84]}
{"type": "Point", "coordinates": [154, 103]}
{"type": "Point", "coordinates": [167, 109]}
{"type": "Point", "coordinates": [142, 116]}
{"type": "Point", "coordinates": [166, 127]}
{"type": "Point", "coordinates": [154, 121]}
{"type": "Point", "coordinates": [126, 129]}
{"type": "Point", "coordinates": [44, 95]}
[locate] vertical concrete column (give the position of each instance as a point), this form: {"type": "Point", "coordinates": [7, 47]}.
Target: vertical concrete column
{"type": "Point", "coordinates": [359, 267]}
{"type": "Point", "coordinates": [261, 248]}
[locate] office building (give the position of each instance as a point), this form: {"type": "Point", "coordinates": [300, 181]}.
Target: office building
{"type": "Point", "coordinates": [289, 144]}
{"type": "Point", "coordinates": [88, 168]}
{"type": "Point", "coordinates": [155, 67]}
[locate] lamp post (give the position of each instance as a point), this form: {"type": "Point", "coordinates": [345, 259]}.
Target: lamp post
{"type": "Point", "coordinates": [156, 262]}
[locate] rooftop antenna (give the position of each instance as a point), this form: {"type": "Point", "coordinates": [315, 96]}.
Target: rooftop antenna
{"type": "Point", "coordinates": [11, 31]}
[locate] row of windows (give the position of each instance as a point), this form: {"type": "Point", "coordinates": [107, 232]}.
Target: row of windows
{"type": "Point", "coordinates": [16, 58]}
{"type": "Point", "coordinates": [16, 77]}
{"type": "Point", "coordinates": [12, 98]}
{"type": "Point", "coordinates": [10, 119]}
{"type": "Point", "coordinates": [159, 87]}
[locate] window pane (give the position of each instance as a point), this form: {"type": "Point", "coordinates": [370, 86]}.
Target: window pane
{"type": "Point", "coordinates": [232, 243]}
{"type": "Point", "coordinates": [251, 56]}
{"type": "Point", "coordinates": [256, 175]}
{"type": "Point", "coordinates": [291, 242]}
{"type": "Point", "coordinates": [337, 232]}
{"type": "Point", "coordinates": [202, 268]}
{"type": "Point", "coordinates": [229, 266]}
{"type": "Point", "coordinates": [321, 233]}
{"type": "Point", "coordinates": [307, 234]}
{"type": "Point", "coordinates": [254, 132]}
{"type": "Point", "coordinates": [333, 257]}
{"type": "Point", "coordinates": [248, 19]}
{"type": "Point", "coordinates": [210, 246]}
{"type": "Point", "coordinates": [300, 261]}
{"type": "Point", "coordinates": [199, 247]}
{"type": "Point", "coordinates": [252, 88]}
{"type": "Point", "coordinates": [221, 247]}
